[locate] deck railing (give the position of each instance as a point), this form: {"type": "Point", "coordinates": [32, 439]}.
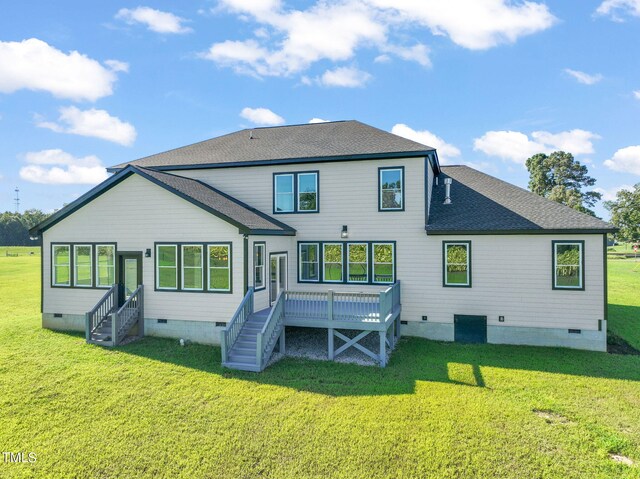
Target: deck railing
{"type": "Point", "coordinates": [230, 333]}
{"type": "Point", "coordinates": [130, 312]}
{"type": "Point", "coordinates": [101, 311]}
{"type": "Point", "coordinates": [342, 306]}
{"type": "Point", "coordinates": [267, 338]}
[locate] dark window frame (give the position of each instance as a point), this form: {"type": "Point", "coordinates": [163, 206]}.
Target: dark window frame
{"type": "Point", "coordinates": [553, 265]}
{"type": "Point", "coordinates": [402, 177]}
{"type": "Point", "coordinates": [345, 279]}
{"type": "Point", "coordinates": [444, 264]}
{"type": "Point", "coordinates": [94, 265]}
{"type": "Point", "coordinates": [262, 244]}
{"type": "Point", "coordinates": [296, 200]}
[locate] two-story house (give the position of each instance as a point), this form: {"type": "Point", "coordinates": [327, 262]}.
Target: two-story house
{"type": "Point", "coordinates": [336, 225]}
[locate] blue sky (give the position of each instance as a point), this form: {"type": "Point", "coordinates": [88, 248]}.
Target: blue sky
{"type": "Point", "coordinates": [84, 85]}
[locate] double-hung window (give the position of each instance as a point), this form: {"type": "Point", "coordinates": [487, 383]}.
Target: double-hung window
{"type": "Point", "coordinates": [457, 263]}
{"type": "Point", "coordinates": [568, 265]}
{"type": "Point", "coordinates": [167, 267]}
{"type": "Point", "coordinates": [391, 189]}
{"type": "Point", "coordinates": [309, 261]}
{"type": "Point", "coordinates": [61, 265]}
{"type": "Point", "coordinates": [383, 263]}
{"type": "Point", "coordinates": [105, 265]}
{"type": "Point", "coordinates": [192, 270]}
{"type": "Point", "coordinates": [295, 192]}
{"type": "Point", "coordinates": [358, 262]}
{"type": "Point", "coordinates": [82, 264]}
{"type": "Point", "coordinates": [332, 260]}
{"type": "Point", "coordinates": [219, 264]}
{"type": "Point", "coordinates": [258, 265]}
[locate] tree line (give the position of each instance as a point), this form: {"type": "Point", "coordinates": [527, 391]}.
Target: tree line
{"type": "Point", "coordinates": [14, 227]}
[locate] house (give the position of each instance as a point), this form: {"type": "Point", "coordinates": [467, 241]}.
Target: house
{"type": "Point", "coordinates": [336, 225]}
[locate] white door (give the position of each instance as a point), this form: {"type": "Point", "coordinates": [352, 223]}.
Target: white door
{"type": "Point", "coordinates": [277, 275]}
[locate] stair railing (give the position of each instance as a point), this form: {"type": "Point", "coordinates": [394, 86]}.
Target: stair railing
{"type": "Point", "coordinates": [230, 333]}
{"type": "Point", "coordinates": [128, 314]}
{"type": "Point", "coordinates": [101, 311]}
{"type": "Point", "coordinates": [267, 338]}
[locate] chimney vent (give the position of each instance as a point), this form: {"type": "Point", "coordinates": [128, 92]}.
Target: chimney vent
{"type": "Point", "coordinates": [447, 194]}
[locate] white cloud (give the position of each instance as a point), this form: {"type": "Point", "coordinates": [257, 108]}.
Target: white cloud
{"type": "Point", "coordinates": [418, 53]}
{"type": "Point", "coordinates": [57, 167]}
{"type": "Point", "coordinates": [261, 116]}
{"type": "Point", "coordinates": [155, 20]}
{"type": "Point", "coordinates": [347, 77]}
{"type": "Point", "coordinates": [584, 78]}
{"type": "Point", "coordinates": [613, 8]}
{"type": "Point", "coordinates": [318, 120]}
{"type": "Point", "coordinates": [117, 66]}
{"type": "Point", "coordinates": [517, 147]}
{"type": "Point", "coordinates": [636, 94]}
{"type": "Point", "coordinates": [610, 193]}
{"type": "Point", "coordinates": [474, 24]}
{"type": "Point", "coordinates": [94, 123]}
{"type": "Point", "coordinates": [625, 160]}
{"type": "Point", "coordinates": [446, 151]}
{"type": "Point", "coordinates": [35, 65]}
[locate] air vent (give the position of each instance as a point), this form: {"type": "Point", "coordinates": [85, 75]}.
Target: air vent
{"type": "Point", "coordinates": [220, 324]}
{"type": "Point", "coordinates": [575, 331]}
{"type": "Point", "coordinates": [404, 322]}
{"type": "Point", "coordinates": [162, 321]}
{"type": "Point", "coordinates": [57, 315]}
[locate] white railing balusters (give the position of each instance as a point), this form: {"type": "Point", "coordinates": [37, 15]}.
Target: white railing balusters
{"type": "Point", "coordinates": [230, 333]}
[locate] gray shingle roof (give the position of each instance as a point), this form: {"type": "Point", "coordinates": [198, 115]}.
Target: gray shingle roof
{"type": "Point", "coordinates": [311, 141]}
{"type": "Point", "coordinates": [483, 204]}
{"type": "Point", "coordinates": [225, 206]}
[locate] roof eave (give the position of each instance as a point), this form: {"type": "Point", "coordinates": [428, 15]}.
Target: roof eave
{"type": "Point", "coordinates": [540, 231]}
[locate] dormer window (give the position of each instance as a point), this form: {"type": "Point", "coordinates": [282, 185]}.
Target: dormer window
{"type": "Point", "coordinates": [295, 192]}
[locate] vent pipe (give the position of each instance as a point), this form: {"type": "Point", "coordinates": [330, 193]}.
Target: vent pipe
{"type": "Point", "coordinates": [447, 194]}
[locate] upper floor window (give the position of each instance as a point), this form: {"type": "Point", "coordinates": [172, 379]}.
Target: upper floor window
{"type": "Point", "coordinates": [457, 263]}
{"type": "Point", "coordinates": [568, 265]}
{"type": "Point", "coordinates": [295, 192]}
{"type": "Point", "coordinates": [391, 189]}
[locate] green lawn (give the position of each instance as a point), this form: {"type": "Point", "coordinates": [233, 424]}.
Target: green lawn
{"type": "Point", "coordinates": [154, 409]}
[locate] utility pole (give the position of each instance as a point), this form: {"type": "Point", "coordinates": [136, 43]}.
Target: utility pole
{"type": "Point", "coordinates": [17, 199]}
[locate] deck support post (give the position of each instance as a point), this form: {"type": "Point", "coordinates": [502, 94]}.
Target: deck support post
{"type": "Point", "coordinates": [331, 347]}
{"type": "Point", "coordinates": [114, 329]}
{"type": "Point", "coordinates": [383, 348]}
{"type": "Point", "coordinates": [141, 313]}
{"type": "Point", "coordinates": [330, 305]}
{"type": "Point", "coordinates": [87, 327]}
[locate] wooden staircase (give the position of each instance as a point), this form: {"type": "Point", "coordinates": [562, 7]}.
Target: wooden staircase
{"type": "Point", "coordinates": [242, 354]}
{"type": "Point", "coordinates": [109, 325]}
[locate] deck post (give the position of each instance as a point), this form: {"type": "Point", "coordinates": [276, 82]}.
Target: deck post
{"type": "Point", "coordinates": [330, 305]}
{"type": "Point", "coordinates": [383, 348]}
{"type": "Point", "coordinates": [331, 348]}
{"type": "Point", "coordinates": [114, 329]}
{"type": "Point", "coordinates": [141, 312]}
{"type": "Point", "coordinates": [87, 327]}
{"type": "Point", "coordinates": [223, 346]}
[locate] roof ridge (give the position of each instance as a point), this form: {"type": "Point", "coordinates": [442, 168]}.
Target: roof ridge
{"type": "Point", "coordinates": [298, 124]}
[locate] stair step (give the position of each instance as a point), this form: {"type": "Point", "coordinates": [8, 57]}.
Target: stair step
{"type": "Point", "coordinates": [241, 366]}
{"type": "Point", "coordinates": [245, 343]}
{"type": "Point", "coordinates": [242, 358]}
{"type": "Point", "coordinates": [243, 350]}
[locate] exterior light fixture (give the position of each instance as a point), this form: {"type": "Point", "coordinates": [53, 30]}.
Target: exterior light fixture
{"type": "Point", "coordinates": [345, 232]}
{"type": "Point", "coordinates": [147, 253]}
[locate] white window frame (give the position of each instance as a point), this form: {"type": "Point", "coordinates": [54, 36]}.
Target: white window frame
{"type": "Point", "coordinates": [293, 192]}
{"type": "Point", "coordinates": [158, 267]}
{"type": "Point", "coordinates": [183, 267]}
{"type": "Point", "coordinates": [366, 256]}
{"type": "Point", "coordinates": [324, 247]}
{"type": "Point", "coordinates": [75, 266]}
{"type": "Point", "coordinates": [318, 262]}
{"type": "Point", "coordinates": [209, 267]}
{"type": "Point", "coordinates": [467, 247]}
{"type": "Point", "coordinates": [580, 265]}
{"type": "Point", "coordinates": [381, 172]}
{"type": "Point", "coordinates": [97, 276]}
{"type": "Point", "coordinates": [373, 262]}
{"type": "Point", "coordinates": [297, 191]}
{"type": "Point", "coordinates": [256, 266]}
{"type": "Point", "coordinates": [53, 265]}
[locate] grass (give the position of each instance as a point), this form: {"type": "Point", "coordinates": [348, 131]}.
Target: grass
{"type": "Point", "coordinates": [154, 409]}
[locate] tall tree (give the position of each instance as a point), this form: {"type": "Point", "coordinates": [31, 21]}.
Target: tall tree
{"type": "Point", "coordinates": [625, 213]}
{"type": "Point", "coordinates": [561, 178]}
{"type": "Point", "coordinates": [14, 227]}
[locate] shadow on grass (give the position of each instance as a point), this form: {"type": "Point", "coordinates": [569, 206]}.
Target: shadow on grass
{"type": "Point", "coordinates": [624, 321]}
{"type": "Point", "coordinates": [414, 360]}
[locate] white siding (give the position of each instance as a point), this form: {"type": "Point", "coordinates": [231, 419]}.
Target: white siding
{"type": "Point", "coordinates": [135, 214]}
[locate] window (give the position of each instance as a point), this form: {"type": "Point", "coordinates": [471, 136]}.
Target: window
{"type": "Point", "coordinates": [82, 261]}
{"type": "Point", "coordinates": [383, 263]}
{"type": "Point", "coordinates": [258, 266]}
{"type": "Point", "coordinates": [167, 267]}
{"type": "Point", "coordinates": [105, 265]}
{"type": "Point", "coordinates": [295, 192]}
{"type": "Point", "coordinates": [192, 267]}
{"type": "Point", "coordinates": [391, 189]}
{"type": "Point", "coordinates": [61, 265]}
{"type": "Point", "coordinates": [568, 261]}
{"type": "Point", "coordinates": [332, 261]}
{"type": "Point", "coordinates": [309, 262]}
{"type": "Point", "coordinates": [219, 260]}
{"type": "Point", "coordinates": [308, 192]}
{"type": "Point", "coordinates": [358, 264]}
{"type": "Point", "coordinates": [457, 263]}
